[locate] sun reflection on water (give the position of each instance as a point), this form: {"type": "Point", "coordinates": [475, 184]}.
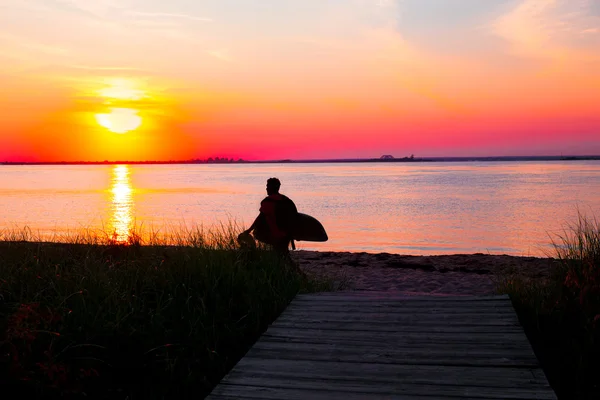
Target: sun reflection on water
{"type": "Point", "coordinates": [122, 203]}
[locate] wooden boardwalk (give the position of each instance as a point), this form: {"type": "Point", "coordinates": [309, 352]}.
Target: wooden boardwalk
{"type": "Point", "coordinates": [378, 346]}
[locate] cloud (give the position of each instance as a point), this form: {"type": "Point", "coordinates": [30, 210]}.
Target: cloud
{"type": "Point", "coordinates": [385, 3]}
{"type": "Point", "coordinates": [93, 8]}
{"type": "Point", "coordinates": [68, 68]}
{"type": "Point", "coordinates": [28, 5]}
{"type": "Point", "coordinates": [21, 47]}
{"type": "Point", "coordinates": [93, 68]}
{"type": "Point", "coordinates": [590, 31]}
{"type": "Point", "coordinates": [545, 28]}
{"type": "Point", "coordinates": [527, 26]}
{"type": "Point", "coordinates": [221, 54]}
{"type": "Point", "coordinates": [155, 15]}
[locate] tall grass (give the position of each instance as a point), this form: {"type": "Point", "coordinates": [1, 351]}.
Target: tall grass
{"type": "Point", "coordinates": [220, 236]}
{"type": "Point", "coordinates": [561, 315]}
{"type": "Point", "coordinates": [94, 318]}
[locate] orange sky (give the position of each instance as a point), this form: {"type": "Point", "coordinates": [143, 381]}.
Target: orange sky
{"type": "Point", "coordinates": [144, 80]}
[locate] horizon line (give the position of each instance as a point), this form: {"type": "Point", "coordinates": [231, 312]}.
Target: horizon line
{"type": "Point", "coordinates": [226, 160]}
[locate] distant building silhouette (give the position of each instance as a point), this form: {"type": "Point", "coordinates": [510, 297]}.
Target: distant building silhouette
{"type": "Point", "coordinates": [387, 157]}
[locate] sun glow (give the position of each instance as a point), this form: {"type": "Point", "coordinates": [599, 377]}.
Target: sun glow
{"type": "Point", "coordinates": [120, 120]}
{"type": "Point", "coordinates": [120, 97]}
{"type": "Point", "coordinates": [122, 89]}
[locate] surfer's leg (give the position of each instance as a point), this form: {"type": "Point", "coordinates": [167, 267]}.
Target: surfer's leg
{"type": "Point", "coordinates": [282, 249]}
{"type": "Point", "coordinates": [292, 263]}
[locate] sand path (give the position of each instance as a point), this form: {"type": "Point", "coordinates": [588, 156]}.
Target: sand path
{"type": "Point", "coordinates": [472, 274]}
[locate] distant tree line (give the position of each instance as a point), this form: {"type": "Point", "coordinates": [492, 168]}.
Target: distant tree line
{"type": "Point", "coordinates": [210, 160]}
{"type": "Point", "coordinates": [221, 160]}
{"type": "Point", "coordinates": [390, 157]}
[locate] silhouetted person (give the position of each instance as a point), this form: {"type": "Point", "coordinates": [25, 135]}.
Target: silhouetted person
{"type": "Point", "coordinates": [276, 220]}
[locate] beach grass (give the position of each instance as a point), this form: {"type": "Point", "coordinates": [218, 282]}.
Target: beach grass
{"type": "Point", "coordinates": [561, 315]}
{"type": "Point", "coordinates": [155, 318]}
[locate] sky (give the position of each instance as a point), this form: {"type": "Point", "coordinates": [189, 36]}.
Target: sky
{"type": "Point", "coordinates": [93, 80]}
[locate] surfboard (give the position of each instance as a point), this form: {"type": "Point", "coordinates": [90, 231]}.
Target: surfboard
{"type": "Point", "coordinates": [307, 229]}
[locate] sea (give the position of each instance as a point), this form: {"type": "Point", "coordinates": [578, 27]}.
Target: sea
{"type": "Point", "coordinates": [418, 208]}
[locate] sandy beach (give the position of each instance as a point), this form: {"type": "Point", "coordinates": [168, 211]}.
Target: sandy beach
{"type": "Point", "coordinates": [463, 274]}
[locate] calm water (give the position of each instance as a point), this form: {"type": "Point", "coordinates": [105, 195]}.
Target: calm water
{"type": "Point", "coordinates": [420, 208]}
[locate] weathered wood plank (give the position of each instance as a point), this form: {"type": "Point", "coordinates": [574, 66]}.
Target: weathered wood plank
{"type": "Point", "coordinates": [405, 356]}
{"type": "Point", "coordinates": [436, 302]}
{"type": "Point", "coordinates": [398, 388]}
{"type": "Point", "coordinates": [425, 374]}
{"type": "Point", "coordinates": [408, 309]}
{"type": "Point", "coordinates": [367, 350]}
{"type": "Point", "coordinates": [424, 314]}
{"type": "Point", "coordinates": [367, 326]}
{"type": "Point", "coordinates": [396, 307]}
{"type": "Point", "coordinates": [374, 344]}
{"type": "Point", "coordinates": [229, 392]}
{"type": "Point", "coordinates": [391, 294]}
{"type": "Point", "coordinates": [539, 375]}
{"type": "Point", "coordinates": [403, 319]}
{"type": "Point", "coordinates": [397, 338]}
{"type": "Point", "coordinates": [386, 296]}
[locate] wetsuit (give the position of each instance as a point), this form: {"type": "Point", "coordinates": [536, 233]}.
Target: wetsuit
{"type": "Point", "coordinates": [280, 213]}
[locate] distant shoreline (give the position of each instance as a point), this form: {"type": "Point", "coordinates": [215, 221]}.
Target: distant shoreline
{"type": "Point", "coordinates": [319, 161]}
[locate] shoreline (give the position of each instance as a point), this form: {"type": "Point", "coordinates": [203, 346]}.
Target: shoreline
{"type": "Point", "coordinates": [440, 275]}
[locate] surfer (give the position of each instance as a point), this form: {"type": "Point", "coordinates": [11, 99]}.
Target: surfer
{"type": "Point", "coordinates": [277, 216]}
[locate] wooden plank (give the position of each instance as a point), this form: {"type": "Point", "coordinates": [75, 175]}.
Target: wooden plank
{"type": "Point", "coordinates": [539, 375]}
{"type": "Point", "coordinates": [229, 392]}
{"type": "Point", "coordinates": [425, 374]}
{"type": "Point", "coordinates": [385, 296]}
{"type": "Point", "coordinates": [404, 356]}
{"type": "Point", "coordinates": [399, 314]}
{"type": "Point", "coordinates": [398, 388]}
{"type": "Point", "coordinates": [393, 294]}
{"type": "Point", "coordinates": [422, 344]}
{"type": "Point", "coordinates": [393, 306]}
{"type": "Point", "coordinates": [397, 338]}
{"type": "Point", "coordinates": [332, 300]}
{"type": "Point", "coordinates": [424, 312]}
{"type": "Point", "coordinates": [403, 319]}
{"type": "Point", "coordinates": [367, 350]}
{"type": "Point", "coordinates": [382, 315]}
{"type": "Point", "coordinates": [408, 309]}
{"type": "Point", "coordinates": [387, 327]}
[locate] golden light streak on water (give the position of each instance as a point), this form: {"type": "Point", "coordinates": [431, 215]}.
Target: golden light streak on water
{"type": "Point", "coordinates": [122, 203]}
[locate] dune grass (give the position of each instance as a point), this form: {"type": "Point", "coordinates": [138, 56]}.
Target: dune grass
{"type": "Point", "coordinates": [561, 316]}
{"type": "Point", "coordinates": [162, 318]}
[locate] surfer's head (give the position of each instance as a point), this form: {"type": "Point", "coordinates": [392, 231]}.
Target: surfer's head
{"type": "Point", "coordinates": [273, 185]}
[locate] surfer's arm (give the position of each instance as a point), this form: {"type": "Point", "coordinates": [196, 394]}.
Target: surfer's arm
{"type": "Point", "coordinates": [253, 225]}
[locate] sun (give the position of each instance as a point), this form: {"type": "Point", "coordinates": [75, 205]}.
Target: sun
{"type": "Point", "coordinates": [122, 97]}
{"type": "Point", "coordinates": [120, 120]}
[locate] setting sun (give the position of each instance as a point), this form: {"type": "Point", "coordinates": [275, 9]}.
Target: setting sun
{"type": "Point", "coordinates": [120, 120]}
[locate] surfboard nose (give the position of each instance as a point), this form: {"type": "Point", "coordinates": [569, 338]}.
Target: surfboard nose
{"type": "Point", "coordinates": [309, 229]}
